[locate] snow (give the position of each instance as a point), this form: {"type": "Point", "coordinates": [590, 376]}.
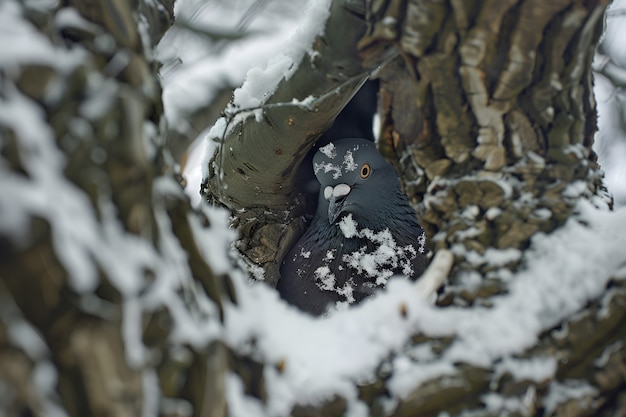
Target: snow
{"type": "Point", "coordinates": [327, 167]}
{"type": "Point", "coordinates": [491, 256]}
{"type": "Point", "coordinates": [348, 161]}
{"type": "Point", "coordinates": [314, 351]}
{"type": "Point", "coordinates": [326, 278]}
{"type": "Point", "coordinates": [508, 405]}
{"type": "Point", "coordinates": [387, 255]}
{"type": "Point", "coordinates": [69, 16]}
{"type": "Point", "coordinates": [603, 360]}
{"type": "Point", "coordinates": [101, 94]}
{"type": "Point", "coordinates": [23, 197]}
{"type": "Point", "coordinates": [611, 101]}
{"type": "Point", "coordinates": [329, 150]}
{"type": "Point", "coordinates": [24, 335]}
{"type": "Point", "coordinates": [27, 45]}
{"type": "Point", "coordinates": [560, 392]}
{"type": "Point", "coordinates": [346, 165]}
{"type": "Point", "coordinates": [240, 404]}
{"type": "Point", "coordinates": [536, 369]}
{"type": "Point", "coordinates": [316, 366]}
{"type": "Point", "coordinates": [260, 83]}
{"type": "Point", "coordinates": [406, 375]}
{"type": "Point", "coordinates": [279, 35]}
{"type": "Point", "coordinates": [320, 358]}
{"type": "Point", "coordinates": [45, 378]}
{"type": "Point", "coordinates": [89, 244]}
{"type": "Point", "coordinates": [575, 189]}
{"type": "Point", "coordinates": [152, 394]}
{"type": "Point", "coordinates": [219, 255]}
{"type": "Point", "coordinates": [348, 226]}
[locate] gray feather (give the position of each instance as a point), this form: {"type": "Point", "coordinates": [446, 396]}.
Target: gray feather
{"type": "Point", "coordinates": [364, 230]}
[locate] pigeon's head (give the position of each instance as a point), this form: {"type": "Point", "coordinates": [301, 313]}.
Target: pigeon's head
{"type": "Point", "coordinates": [354, 178]}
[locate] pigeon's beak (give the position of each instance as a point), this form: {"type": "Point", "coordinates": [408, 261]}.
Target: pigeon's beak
{"type": "Point", "coordinates": [336, 197]}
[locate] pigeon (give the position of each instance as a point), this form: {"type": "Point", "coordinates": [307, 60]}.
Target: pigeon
{"type": "Point", "coordinates": [363, 232]}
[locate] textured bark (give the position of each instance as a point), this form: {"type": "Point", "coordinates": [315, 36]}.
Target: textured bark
{"type": "Point", "coordinates": [515, 75]}
{"type": "Point", "coordinates": [113, 159]}
{"type": "Point", "coordinates": [490, 116]}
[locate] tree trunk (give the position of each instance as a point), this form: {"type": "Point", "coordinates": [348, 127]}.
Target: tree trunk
{"type": "Point", "coordinates": [491, 116]}
{"type": "Point", "coordinates": [93, 222]}
{"type": "Point", "coordinates": [114, 297]}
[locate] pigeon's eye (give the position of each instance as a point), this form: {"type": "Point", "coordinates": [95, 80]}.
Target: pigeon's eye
{"type": "Point", "coordinates": [366, 170]}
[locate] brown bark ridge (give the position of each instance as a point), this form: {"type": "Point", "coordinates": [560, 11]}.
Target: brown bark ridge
{"type": "Point", "coordinates": [490, 116]}
{"type": "Point", "coordinates": [94, 222]}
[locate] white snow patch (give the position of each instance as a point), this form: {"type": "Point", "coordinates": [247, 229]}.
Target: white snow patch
{"type": "Point", "coordinates": [567, 390]}
{"type": "Point", "coordinates": [575, 189]}
{"type": "Point", "coordinates": [492, 213]}
{"type": "Point", "coordinates": [603, 360]}
{"type": "Point", "coordinates": [214, 137]}
{"type": "Point", "coordinates": [348, 226]}
{"type": "Point", "coordinates": [197, 69]}
{"type": "Point", "coordinates": [194, 169]}
{"type": "Point", "coordinates": [535, 369]}
{"type": "Point", "coordinates": [257, 272]}
{"type": "Point", "coordinates": [240, 404]}
{"type": "Point", "coordinates": [558, 282]}
{"type": "Point", "coordinates": [388, 255]}
{"type": "Point", "coordinates": [346, 165]}
{"type": "Point", "coordinates": [505, 405]}
{"type": "Point", "coordinates": [25, 44]}
{"type": "Point", "coordinates": [69, 16]}
{"type": "Point", "coordinates": [348, 161]}
{"type": "Point", "coordinates": [325, 279]}
{"type": "Point", "coordinates": [495, 257]}
{"type": "Point", "coordinates": [23, 334]}
{"type": "Point", "coordinates": [408, 374]}
{"type": "Point", "coordinates": [328, 167]}
{"type": "Point", "coordinates": [329, 150]}
{"type": "Point", "coordinates": [261, 83]}
{"type": "Point", "coordinates": [421, 241]}
{"type": "Point", "coordinates": [211, 239]}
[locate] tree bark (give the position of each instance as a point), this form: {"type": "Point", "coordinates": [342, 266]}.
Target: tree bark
{"type": "Point", "coordinates": [503, 119]}
{"type": "Point", "coordinates": [487, 113]}
{"type": "Point", "coordinates": [98, 209]}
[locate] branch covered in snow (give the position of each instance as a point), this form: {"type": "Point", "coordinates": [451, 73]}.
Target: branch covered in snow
{"type": "Point", "coordinates": [109, 282]}
{"type": "Point", "coordinates": [274, 120]}
{"type": "Point", "coordinates": [117, 297]}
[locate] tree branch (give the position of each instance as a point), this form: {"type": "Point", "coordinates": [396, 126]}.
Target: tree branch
{"type": "Point", "coordinates": [255, 168]}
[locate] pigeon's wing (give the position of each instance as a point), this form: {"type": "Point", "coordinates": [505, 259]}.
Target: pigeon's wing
{"type": "Point", "coordinates": [299, 285]}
